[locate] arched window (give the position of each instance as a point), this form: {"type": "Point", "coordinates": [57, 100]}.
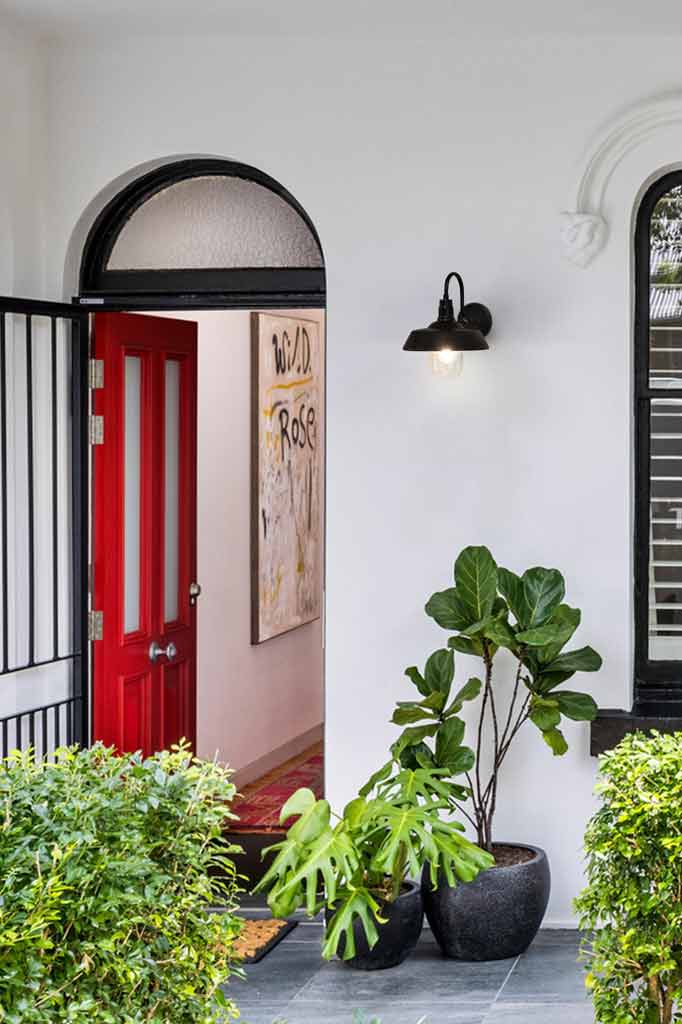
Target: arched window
{"type": "Point", "coordinates": [207, 228]}
{"type": "Point", "coordinates": [658, 416]}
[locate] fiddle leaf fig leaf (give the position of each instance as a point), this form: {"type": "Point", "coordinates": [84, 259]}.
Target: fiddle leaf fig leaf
{"type": "Point", "coordinates": [417, 756]}
{"type": "Point", "coordinates": [461, 760]}
{"type": "Point", "coordinates": [466, 645]}
{"type": "Point", "coordinates": [540, 636]}
{"type": "Point", "coordinates": [407, 713]}
{"type": "Point", "coordinates": [568, 620]}
{"type": "Point", "coordinates": [354, 812]}
{"type": "Point", "coordinates": [548, 681]}
{"type": "Point", "coordinates": [469, 691]}
{"type": "Point", "coordinates": [584, 659]}
{"type": "Point", "coordinates": [422, 756]}
{"type": "Point", "coordinates": [434, 702]}
{"type": "Point", "coordinates": [511, 586]}
{"type": "Point", "coordinates": [554, 739]}
{"type": "Point", "coordinates": [417, 678]}
{"type": "Point", "coordinates": [448, 609]}
{"type": "Point", "coordinates": [580, 707]}
{"type": "Point", "coordinates": [440, 671]}
{"type": "Point", "coordinates": [543, 591]}
{"type": "Point", "coordinates": [411, 736]}
{"type": "Point", "coordinates": [500, 632]}
{"type": "Point", "coordinates": [545, 713]}
{"type": "Point", "coordinates": [476, 582]}
{"type": "Point", "coordinates": [448, 740]}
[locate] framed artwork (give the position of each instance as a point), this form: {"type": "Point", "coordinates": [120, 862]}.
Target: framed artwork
{"type": "Point", "coordinates": [287, 388]}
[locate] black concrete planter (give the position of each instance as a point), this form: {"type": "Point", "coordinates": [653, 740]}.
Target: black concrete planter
{"type": "Point", "coordinates": [495, 916]}
{"type": "Point", "coordinates": [397, 938]}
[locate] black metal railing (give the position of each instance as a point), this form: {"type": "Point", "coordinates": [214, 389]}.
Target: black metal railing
{"type": "Point", "coordinates": [43, 543]}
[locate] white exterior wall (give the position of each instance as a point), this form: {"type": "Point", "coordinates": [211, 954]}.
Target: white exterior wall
{"type": "Point", "coordinates": [414, 157]}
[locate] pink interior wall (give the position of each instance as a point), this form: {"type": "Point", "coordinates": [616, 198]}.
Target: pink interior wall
{"type": "Point", "coordinates": [251, 701]}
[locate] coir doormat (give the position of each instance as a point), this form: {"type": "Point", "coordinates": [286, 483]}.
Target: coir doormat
{"type": "Point", "coordinates": [258, 937]}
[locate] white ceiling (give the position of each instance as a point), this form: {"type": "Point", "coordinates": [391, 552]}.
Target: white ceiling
{"type": "Point", "coordinates": [375, 18]}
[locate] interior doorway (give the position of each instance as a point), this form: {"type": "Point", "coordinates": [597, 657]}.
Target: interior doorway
{"type": "Point", "coordinates": [247, 248]}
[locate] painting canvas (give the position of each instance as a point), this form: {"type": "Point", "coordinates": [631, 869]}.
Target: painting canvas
{"type": "Point", "coordinates": [286, 523]}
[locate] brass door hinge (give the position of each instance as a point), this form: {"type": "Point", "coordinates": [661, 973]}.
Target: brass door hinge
{"type": "Point", "coordinates": [97, 430]}
{"type": "Point", "coordinates": [96, 373]}
{"type": "Point", "coordinates": [95, 625]}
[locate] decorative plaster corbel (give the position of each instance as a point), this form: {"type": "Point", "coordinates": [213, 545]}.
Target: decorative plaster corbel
{"type": "Point", "coordinates": [584, 231]}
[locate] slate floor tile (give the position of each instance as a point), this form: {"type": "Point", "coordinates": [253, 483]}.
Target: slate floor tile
{"type": "Point", "coordinates": [548, 972]}
{"type": "Point", "coordinates": [279, 976]}
{"type": "Point", "coordinates": [426, 976]}
{"type": "Point", "coordinates": [309, 1012]}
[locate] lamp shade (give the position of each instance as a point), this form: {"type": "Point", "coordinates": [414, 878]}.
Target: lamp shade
{"type": "Point", "coordinates": [465, 333]}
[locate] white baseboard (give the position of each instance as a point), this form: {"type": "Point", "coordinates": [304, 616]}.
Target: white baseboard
{"type": "Point", "coordinates": [266, 763]}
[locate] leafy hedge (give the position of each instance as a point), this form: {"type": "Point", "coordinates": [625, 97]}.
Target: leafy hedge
{"type": "Point", "coordinates": [107, 867]}
{"type": "Point", "coordinates": [632, 905]}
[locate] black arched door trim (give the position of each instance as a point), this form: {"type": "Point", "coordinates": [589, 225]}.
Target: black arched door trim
{"type": "Point", "coordinates": [236, 288]}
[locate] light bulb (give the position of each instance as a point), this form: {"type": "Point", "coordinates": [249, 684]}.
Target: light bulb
{"type": "Point", "coordinates": [447, 363]}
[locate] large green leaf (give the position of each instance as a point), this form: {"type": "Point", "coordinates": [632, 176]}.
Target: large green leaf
{"type": "Point", "coordinates": [434, 702]}
{"type": "Point", "coordinates": [326, 861]}
{"type": "Point", "coordinates": [440, 671]}
{"type": "Point", "coordinates": [351, 903]}
{"type": "Point", "coordinates": [469, 691]}
{"type": "Point", "coordinates": [448, 609]}
{"type": "Point", "coordinates": [500, 632]}
{"type": "Point", "coordinates": [466, 644]}
{"type": "Point", "coordinates": [448, 741]}
{"type": "Point", "coordinates": [578, 706]}
{"type": "Point", "coordinates": [417, 678]}
{"type": "Point", "coordinates": [314, 815]}
{"type": "Point", "coordinates": [411, 736]}
{"type": "Point", "coordinates": [407, 713]}
{"type": "Point", "coordinates": [511, 586]}
{"type": "Point", "coordinates": [554, 739]}
{"type": "Point", "coordinates": [416, 756]}
{"type": "Point", "coordinates": [354, 811]}
{"type": "Point", "coordinates": [476, 582]}
{"type": "Point", "coordinates": [543, 591]}
{"type": "Point", "coordinates": [584, 659]}
{"type": "Point", "coordinates": [453, 855]}
{"type": "Point", "coordinates": [545, 713]}
{"type": "Point", "coordinates": [548, 681]}
{"type": "Point", "coordinates": [540, 636]}
{"type": "Point", "coordinates": [568, 620]}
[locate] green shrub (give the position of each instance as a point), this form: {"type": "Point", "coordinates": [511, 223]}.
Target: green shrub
{"type": "Point", "coordinates": [632, 905]}
{"type": "Point", "coordinates": [107, 868]}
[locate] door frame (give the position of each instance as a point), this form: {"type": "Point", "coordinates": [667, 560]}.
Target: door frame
{"type": "Point", "coordinates": [188, 304]}
{"type": "Point", "coordinates": [150, 291]}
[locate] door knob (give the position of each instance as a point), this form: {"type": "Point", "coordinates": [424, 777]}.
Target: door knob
{"type": "Point", "coordinates": [156, 651]}
{"type": "Point", "coordinates": [194, 593]}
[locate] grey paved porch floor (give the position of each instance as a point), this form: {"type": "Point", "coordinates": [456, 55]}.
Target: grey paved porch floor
{"type": "Point", "coordinates": [292, 984]}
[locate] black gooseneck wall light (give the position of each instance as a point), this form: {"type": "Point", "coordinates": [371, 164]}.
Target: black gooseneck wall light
{"type": "Point", "coordinates": [447, 338]}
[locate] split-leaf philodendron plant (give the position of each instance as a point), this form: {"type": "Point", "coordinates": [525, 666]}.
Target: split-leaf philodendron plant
{"type": "Point", "coordinates": [490, 608]}
{"type": "Point", "coordinates": [355, 864]}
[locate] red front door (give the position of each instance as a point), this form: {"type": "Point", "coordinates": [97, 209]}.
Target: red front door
{"type": "Point", "coordinates": [145, 531]}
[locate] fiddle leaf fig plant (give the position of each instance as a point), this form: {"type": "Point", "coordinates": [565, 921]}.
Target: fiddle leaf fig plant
{"type": "Point", "coordinates": [356, 863]}
{"type": "Point", "coordinates": [491, 608]}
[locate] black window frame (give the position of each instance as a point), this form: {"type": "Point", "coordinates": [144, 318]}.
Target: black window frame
{"type": "Point", "coordinates": [225, 288]}
{"type": "Point", "coordinates": [657, 684]}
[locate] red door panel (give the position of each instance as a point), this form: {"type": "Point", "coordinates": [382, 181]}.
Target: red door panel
{"type": "Point", "coordinates": [145, 532]}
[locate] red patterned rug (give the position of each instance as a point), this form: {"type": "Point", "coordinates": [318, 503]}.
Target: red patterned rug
{"type": "Point", "coordinates": [260, 804]}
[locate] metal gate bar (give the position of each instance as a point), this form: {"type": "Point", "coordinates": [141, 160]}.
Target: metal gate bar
{"type": "Point", "coordinates": [66, 719]}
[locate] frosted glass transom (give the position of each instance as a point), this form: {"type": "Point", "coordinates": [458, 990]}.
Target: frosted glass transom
{"type": "Point", "coordinates": [214, 221]}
